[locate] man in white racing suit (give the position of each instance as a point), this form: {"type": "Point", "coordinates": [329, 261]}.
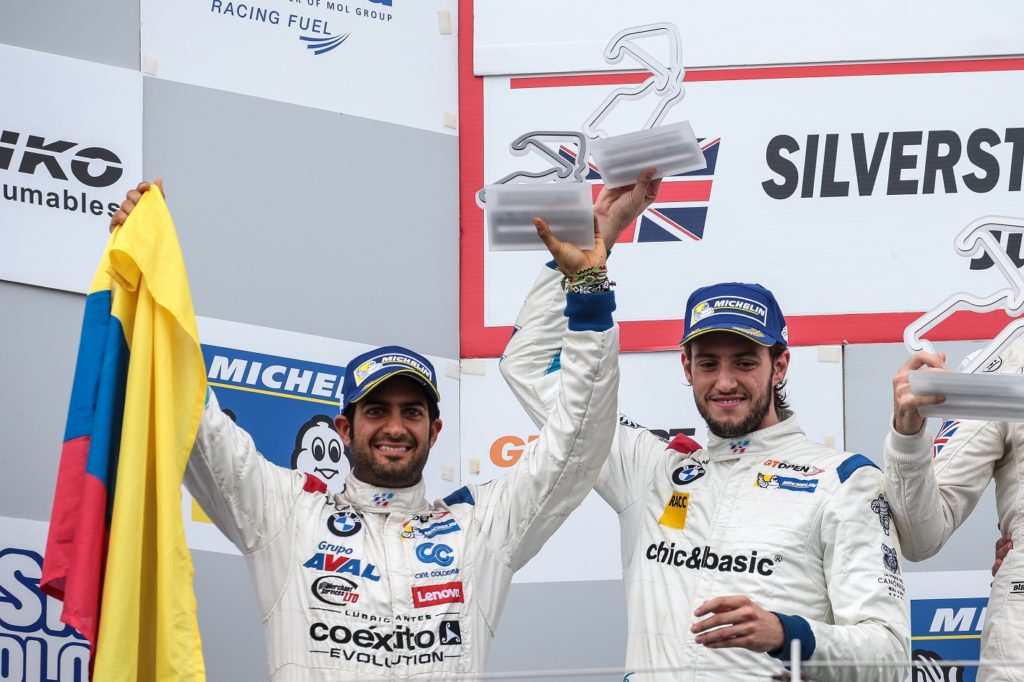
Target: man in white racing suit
{"type": "Point", "coordinates": [733, 551]}
{"type": "Point", "coordinates": [376, 582]}
{"type": "Point", "coordinates": [933, 485]}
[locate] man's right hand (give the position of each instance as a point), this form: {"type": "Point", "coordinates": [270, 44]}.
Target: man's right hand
{"type": "Point", "coordinates": [1003, 547]}
{"type": "Point", "coordinates": [615, 209]}
{"type": "Point", "coordinates": [128, 205]}
{"type": "Point", "coordinates": [906, 417]}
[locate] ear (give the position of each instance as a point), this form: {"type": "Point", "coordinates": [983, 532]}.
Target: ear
{"type": "Point", "coordinates": [344, 429]}
{"type": "Point", "coordinates": [435, 429]}
{"type": "Point", "coordinates": [780, 367]}
{"type": "Point", "coordinates": [687, 367]}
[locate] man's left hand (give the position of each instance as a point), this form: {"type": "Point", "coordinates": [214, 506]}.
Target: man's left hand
{"type": "Point", "coordinates": [569, 257]}
{"type": "Point", "coordinates": [615, 209]}
{"type": "Point", "coordinates": [737, 622]}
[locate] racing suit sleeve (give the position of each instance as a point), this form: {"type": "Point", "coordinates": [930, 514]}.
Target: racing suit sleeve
{"type": "Point", "coordinates": [532, 366]}
{"type": "Point", "coordinates": [864, 588]}
{"type": "Point", "coordinates": [519, 512]}
{"type": "Point", "coordinates": [245, 496]}
{"type": "Point", "coordinates": [931, 498]}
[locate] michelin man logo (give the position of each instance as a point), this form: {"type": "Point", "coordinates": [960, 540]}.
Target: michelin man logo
{"type": "Point", "coordinates": [319, 451]}
{"type": "Point", "coordinates": [700, 311]}
{"type": "Point", "coordinates": [364, 370]}
{"type": "Point", "coordinates": [881, 507]}
{"type": "Point", "coordinates": [889, 559]}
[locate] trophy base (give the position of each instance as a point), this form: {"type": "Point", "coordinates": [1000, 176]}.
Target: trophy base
{"type": "Point", "coordinates": [568, 208]}
{"type": "Point", "coordinates": [990, 397]}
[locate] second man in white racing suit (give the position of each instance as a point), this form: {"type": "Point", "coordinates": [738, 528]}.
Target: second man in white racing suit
{"type": "Point", "coordinates": [733, 551]}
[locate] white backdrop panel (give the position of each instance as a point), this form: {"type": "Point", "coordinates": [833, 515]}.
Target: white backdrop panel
{"type": "Point", "coordinates": [34, 644]}
{"type": "Point", "coordinates": [394, 65]}
{"type": "Point", "coordinates": [652, 393]}
{"type": "Point", "coordinates": [63, 174]}
{"type": "Point", "coordinates": [534, 36]}
{"type": "Point", "coordinates": [877, 244]}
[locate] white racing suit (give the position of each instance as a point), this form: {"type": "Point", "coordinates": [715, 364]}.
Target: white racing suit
{"type": "Point", "coordinates": [932, 497]}
{"type": "Point", "coordinates": [791, 524]}
{"type": "Point", "coordinates": [378, 583]}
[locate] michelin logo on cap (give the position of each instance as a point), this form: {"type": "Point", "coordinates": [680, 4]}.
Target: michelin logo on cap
{"type": "Point", "coordinates": [733, 304]}
{"type": "Point", "coordinates": [377, 365]}
{"type": "Point", "coordinates": [374, 365]}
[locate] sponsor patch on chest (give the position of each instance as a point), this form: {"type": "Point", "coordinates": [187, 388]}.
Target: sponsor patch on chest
{"type": "Point", "coordinates": [674, 515]}
{"type": "Point", "coordinates": [805, 485]}
{"type": "Point", "coordinates": [432, 595]}
{"type": "Point", "coordinates": [802, 469]}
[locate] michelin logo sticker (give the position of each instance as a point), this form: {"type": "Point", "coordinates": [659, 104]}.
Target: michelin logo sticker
{"type": "Point", "coordinates": [785, 483]}
{"type": "Point", "coordinates": [374, 365]}
{"type": "Point", "coordinates": [734, 305]}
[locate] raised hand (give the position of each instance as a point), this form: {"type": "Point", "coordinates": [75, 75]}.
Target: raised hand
{"type": "Point", "coordinates": [132, 198]}
{"type": "Point", "coordinates": [569, 257]}
{"type": "Point", "coordinates": [906, 417]}
{"type": "Point", "coordinates": [615, 209]}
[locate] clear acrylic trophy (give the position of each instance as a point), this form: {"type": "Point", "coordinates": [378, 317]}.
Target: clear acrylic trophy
{"type": "Point", "coordinates": [670, 149]}
{"type": "Point", "coordinates": [568, 209]}
{"type": "Point", "coordinates": [970, 395]}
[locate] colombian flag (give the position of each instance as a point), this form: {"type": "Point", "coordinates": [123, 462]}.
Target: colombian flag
{"type": "Point", "coordinates": [116, 553]}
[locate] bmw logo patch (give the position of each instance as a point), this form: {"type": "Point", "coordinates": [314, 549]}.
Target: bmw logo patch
{"type": "Point", "coordinates": [344, 523]}
{"type": "Point", "coordinates": [688, 473]}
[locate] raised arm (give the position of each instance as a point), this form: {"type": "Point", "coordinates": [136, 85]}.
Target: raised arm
{"type": "Point", "coordinates": [520, 511]}
{"type": "Point", "coordinates": [247, 497]}
{"type": "Point", "coordinates": [933, 486]}
{"type": "Point", "coordinates": [533, 358]}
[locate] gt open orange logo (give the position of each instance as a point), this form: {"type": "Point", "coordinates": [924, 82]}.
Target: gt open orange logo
{"type": "Point", "coordinates": [507, 450]}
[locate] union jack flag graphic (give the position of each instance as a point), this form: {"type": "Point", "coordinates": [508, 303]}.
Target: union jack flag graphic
{"type": "Point", "coordinates": [682, 206]}
{"type": "Point", "coordinates": [946, 432]}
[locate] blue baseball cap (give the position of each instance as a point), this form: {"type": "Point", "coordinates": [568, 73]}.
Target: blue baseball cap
{"type": "Point", "coordinates": [369, 370]}
{"type": "Point", "coordinates": [749, 310]}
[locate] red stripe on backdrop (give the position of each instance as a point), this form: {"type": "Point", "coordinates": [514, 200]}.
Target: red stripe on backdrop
{"type": "Point", "coordinates": [779, 72]}
{"type": "Point", "coordinates": [478, 340]}
{"type": "Point", "coordinates": [819, 330]}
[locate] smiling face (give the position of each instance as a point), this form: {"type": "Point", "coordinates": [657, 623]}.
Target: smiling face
{"type": "Point", "coordinates": [390, 434]}
{"type": "Point", "coordinates": [733, 380]}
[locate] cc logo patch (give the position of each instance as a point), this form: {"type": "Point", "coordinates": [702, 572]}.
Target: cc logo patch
{"type": "Point", "coordinates": [439, 554]}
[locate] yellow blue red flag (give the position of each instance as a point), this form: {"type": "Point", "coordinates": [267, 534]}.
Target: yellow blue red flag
{"type": "Point", "coordinates": [116, 553]}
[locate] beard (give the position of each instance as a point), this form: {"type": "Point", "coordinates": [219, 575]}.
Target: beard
{"type": "Point", "coordinates": [760, 404]}
{"type": "Point", "coordinates": [384, 473]}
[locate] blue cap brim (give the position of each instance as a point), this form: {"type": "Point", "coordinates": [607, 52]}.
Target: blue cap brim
{"type": "Point", "coordinates": [761, 338]}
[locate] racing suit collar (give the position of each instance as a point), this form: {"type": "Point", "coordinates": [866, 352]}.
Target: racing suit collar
{"type": "Point", "coordinates": [763, 441]}
{"type": "Point", "coordinates": [366, 497]}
